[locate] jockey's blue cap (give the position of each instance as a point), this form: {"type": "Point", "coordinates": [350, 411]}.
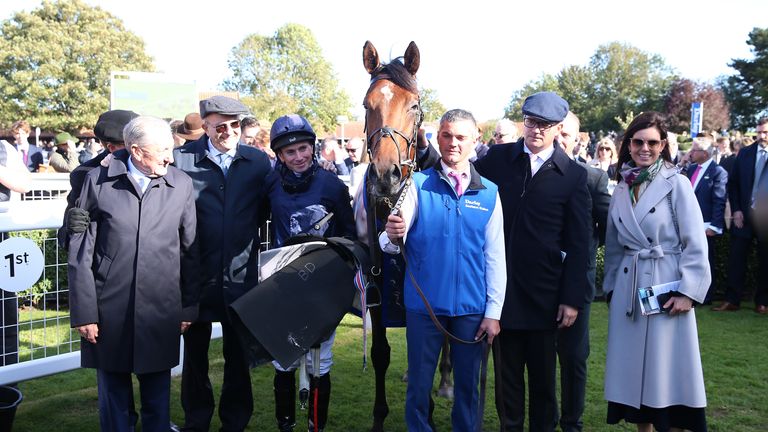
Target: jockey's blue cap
{"type": "Point", "coordinates": [546, 106]}
{"type": "Point", "coordinates": [290, 129]}
{"type": "Point", "coordinates": [222, 105]}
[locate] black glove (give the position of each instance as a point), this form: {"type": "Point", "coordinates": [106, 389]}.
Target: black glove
{"type": "Point", "coordinates": [77, 220]}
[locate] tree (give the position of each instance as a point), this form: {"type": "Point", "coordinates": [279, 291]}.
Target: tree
{"type": "Point", "coordinates": [747, 92]}
{"type": "Point", "coordinates": [286, 73]}
{"type": "Point", "coordinates": [55, 64]}
{"type": "Point", "coordinates": [618, 79]}
{"type": "Point", "coordinates": [678, 101]}
{"type": "Point", "coordinates": [430, 104]}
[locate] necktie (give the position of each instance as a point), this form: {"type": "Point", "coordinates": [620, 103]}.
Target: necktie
{"type": "Point", "coordinates": [457, 182]}
{"type": "Point", "coordinates": [24, 156]}
{"type": "Point", "coordinates": [224, 161]}
{"type": "Point", "coordinates": [761, 161]}
{"type": "Point", "coordinates": [695, 175]}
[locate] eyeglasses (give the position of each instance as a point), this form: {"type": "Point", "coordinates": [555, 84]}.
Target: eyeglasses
{"type": "Point", "coordinates": [637, 142]}
{"type": "Point", "coordinates": [351, 150]}
{"type": "Point", "coordinates": [223, 127]}
{"type": "Point", "coordinates": [604, 148]}
{"type": "Point", "coordinates": [533, 123]}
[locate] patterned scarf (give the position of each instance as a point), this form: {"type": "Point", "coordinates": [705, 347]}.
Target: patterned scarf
{"type": "Point", "coordinates": [635, 176]}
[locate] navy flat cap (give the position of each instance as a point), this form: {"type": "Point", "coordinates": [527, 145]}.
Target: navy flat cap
{"type": "Point", "coordinates": [546, 106]}
{"type": "Point", "coordinates": [222, 105]}
{"type": "Point", "coordinates": [109, 127]}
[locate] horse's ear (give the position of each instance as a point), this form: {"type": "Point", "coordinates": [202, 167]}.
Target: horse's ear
{"type": "Point", "coordinates": [370, 57]}
{"type": "Point", "coordinates": [412, 58]}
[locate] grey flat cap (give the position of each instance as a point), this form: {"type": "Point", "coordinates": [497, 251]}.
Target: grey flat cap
{"type": "Point", "coordinates": [222, 105]}
{"type": "Point", "coordinates": [546, 106]}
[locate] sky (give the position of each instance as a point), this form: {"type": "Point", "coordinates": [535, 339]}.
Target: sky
{"type": "Point", "coordinates": [475, 55]}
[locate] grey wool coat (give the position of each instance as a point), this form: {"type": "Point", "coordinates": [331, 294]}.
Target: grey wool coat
{"type": "Point", "coordinates": [654, 360]}
{"type": "Point", "coordinates": [134, 270]}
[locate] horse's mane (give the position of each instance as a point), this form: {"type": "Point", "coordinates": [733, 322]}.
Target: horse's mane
{"type": "Point", "coordinates": [396, 72]}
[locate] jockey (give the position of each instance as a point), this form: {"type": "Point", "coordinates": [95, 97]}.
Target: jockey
{"type": "Point", "coordinates": [305, 199]}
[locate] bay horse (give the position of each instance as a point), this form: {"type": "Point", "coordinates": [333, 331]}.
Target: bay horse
{"type": "Point", "coordinates": [393, 116]}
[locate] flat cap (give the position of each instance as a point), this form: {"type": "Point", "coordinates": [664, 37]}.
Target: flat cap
{"type": "Point", "coordinates": [63, 138]}
{"type": "Point", "coordinates": [546, 106]}
{"type": "Point", "coordinates": [222, 105]}
{"type": "Point", "coordinates": [109, 127]}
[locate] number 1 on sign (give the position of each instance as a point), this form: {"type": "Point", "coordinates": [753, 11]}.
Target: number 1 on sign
{"type": "Point", "coordinates": [19, 259]}
{"type": "Point", "coordinates": [9, 257]}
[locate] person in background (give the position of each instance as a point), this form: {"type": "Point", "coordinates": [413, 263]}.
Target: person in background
{"type": "Point", "coordinates": [354, 148]}
{"type": "Point", "coordinates": [606, 157]}
{"type": "Point", "coordinates": [64, 158]}
{"type": "Point", "coordinates": [31, 155]}
{"type": "Point", "coordinates": [655, 235]}
{"type": "Point", "coordinates": [331, 155]}
{"type": "Point", "coordinates": [89, 151]}
{"type": "Point", "coordinates": [14, 176]}
{"type": "Point", "coordinates": [709, 182]}
{"type": "Point", "coordinates": [302, 194]}
{"type": "Point", "coordinates": [190, 129]}
{"type": "Point", "coordinates": [505, 132]}
{"type": "Point", "coordinates": [573, 342]}
{"type": "Point", "coordinates": [250, 129]}
{"type": "Point", "coordinates": [133, 286]}
{"type": "Point", "coordinates": [743, 184]}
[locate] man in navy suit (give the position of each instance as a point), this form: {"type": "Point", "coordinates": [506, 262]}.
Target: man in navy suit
{"type": "Point", "coordinates": [742, 191]}
{"type": "Point", "coordinates": [547, 231]}
{"type": "Point", "coordinates": [709, 182]}
{"type": "Point", "coordinates": [31, 155]}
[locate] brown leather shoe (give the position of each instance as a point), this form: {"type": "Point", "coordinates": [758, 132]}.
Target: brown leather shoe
{"type": "Point", "coordinates": [727, 307]}
{"type": "Point", "coordinates": [761, 309]}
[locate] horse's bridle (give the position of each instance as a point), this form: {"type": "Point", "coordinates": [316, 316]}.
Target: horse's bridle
{"type": "Point", "coordinates": [373, 139]}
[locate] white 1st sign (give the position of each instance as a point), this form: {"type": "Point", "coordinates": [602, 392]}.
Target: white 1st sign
{"type": "Point", "coordinates": [21, 264]}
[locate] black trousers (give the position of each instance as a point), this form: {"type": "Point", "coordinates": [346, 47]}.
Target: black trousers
{"type": "Point", "coordinates": [197, 399]}
{"type": "Point", "coordinates": [534, 349]}
{"type": "Point", "coordinates": [573, 352]}
{"type": "Point", "coordinates": [117, 412]}
{"type": "Point", "coordinates": [737, 268]}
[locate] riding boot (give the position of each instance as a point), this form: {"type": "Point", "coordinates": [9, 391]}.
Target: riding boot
{"type": "Point", "coordinates": [285, 400]}
{"type": "Point", "coordinates": [323, 386]}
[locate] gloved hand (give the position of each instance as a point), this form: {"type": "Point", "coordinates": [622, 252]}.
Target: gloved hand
{"type": "Point", "coordinates": [77, 220]}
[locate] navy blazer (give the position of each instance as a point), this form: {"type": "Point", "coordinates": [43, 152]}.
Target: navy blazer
{"type": "Point", "coordinates": [34, 157]}
{"type": "Point", "coordinates": [740, 188]}
{"type": "Point", "coordinates": [547, 227]}
{"type": "Point", "coordinates": [711, 193]}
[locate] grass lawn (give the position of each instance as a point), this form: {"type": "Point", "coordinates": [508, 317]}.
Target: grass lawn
{"type": "Point", "coordinates": [734, 349]}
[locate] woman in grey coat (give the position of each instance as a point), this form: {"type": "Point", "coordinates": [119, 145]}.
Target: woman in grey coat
{"type": "Point", "coordinates": [655, 235]}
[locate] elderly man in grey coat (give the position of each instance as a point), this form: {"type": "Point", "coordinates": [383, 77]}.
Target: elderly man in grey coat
{"type": "Point", "coordinates": [133, 287]}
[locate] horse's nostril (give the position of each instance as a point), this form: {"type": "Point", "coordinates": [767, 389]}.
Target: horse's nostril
{"type": "Point", "coordinates": [395, 172]}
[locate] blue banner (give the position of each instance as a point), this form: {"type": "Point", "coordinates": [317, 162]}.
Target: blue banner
{"type": "Point", "coordinates": [697, 117]}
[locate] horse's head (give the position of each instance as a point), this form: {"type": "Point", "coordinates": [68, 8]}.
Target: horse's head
{"type": "Point", "coordinates": [392, 117]}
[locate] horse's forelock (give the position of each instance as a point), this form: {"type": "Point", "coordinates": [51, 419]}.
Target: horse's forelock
{"type": "Point", "coordinates": [396, 72]}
